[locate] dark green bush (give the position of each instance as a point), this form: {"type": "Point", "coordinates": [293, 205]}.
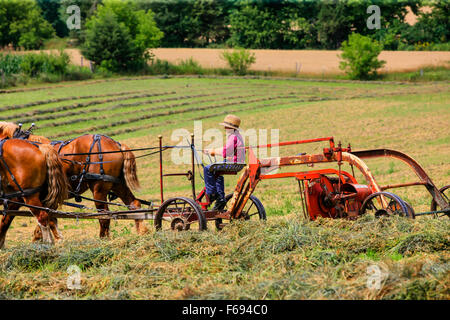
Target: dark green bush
{"type": "Point", "coordinates": [74, 73]}
{"type": "Point", "coordinates": [34, 64]}
{"type": "Point", "coordinates": [189, 66]}
{"type": "Point", "coordinates": [10, 63]}
{"type": "Point", "coordinates": [161, 67]}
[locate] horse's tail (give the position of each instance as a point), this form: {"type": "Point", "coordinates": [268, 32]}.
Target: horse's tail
{"type": "Point", "coordinates": [129, 168]}
{"type": "Point", "coordinates": [56, 179]}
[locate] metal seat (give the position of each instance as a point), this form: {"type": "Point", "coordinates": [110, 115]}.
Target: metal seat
{"type": "Point", "coordinates": [222, 168]}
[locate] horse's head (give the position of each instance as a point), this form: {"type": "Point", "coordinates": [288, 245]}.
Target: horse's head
{"type": "Point", "coordinates": [21, 134]}
{"type": "Point", "coordinates": [28, 135]}
{"type": "Point", "coordinates": [8, 129]}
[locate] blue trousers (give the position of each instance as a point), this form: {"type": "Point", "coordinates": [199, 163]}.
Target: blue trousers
{"type": "Point", "coordinates": [213, 183]}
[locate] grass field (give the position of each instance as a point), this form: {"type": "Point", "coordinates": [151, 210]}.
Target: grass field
{"type": "Point", "coordinates": [284, 258]}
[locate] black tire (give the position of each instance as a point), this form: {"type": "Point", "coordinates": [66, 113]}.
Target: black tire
{"type": "Point", "coordinates": [247, 213]}
{"type": "Point", "coordinates": [396, 205]}
{"type": "Point", "coordinates": [180, 213]}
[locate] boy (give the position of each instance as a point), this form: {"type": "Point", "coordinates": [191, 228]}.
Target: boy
{"type": "Point", "coordinates": [233, 152]}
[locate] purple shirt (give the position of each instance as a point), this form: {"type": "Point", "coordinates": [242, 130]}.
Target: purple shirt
{"type": "Point", "coordinates": [234, 150]}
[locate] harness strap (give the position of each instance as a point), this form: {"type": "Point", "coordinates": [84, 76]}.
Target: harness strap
{"type": "Point", "coordinates": [104, 177]}
{"type": "Point", "coordinates": [53, 143]}
{"type": "Point", "coordinates": [63, 143]}
{"type": "Point", "coordinates": [20, 194]}
{"type": "Point", "coordinates": [85, 168]}
{"type": "Point", "coordinates": [85, 175]}
{"type": "Point", "coordinates": [98, 138]}
{"type": "Point", "coordinates": [2, 142]}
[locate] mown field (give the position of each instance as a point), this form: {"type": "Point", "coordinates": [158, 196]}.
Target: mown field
{"type": "Point", "coordinates": [283, 258]}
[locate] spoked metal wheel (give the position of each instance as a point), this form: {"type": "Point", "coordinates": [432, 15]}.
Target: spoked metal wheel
{"type": "Point", "coordinates": [386, 204]}
{"type": "Point", "coordinates": [253, 209]}
{"type": "Point", "coordinates": [178, 214]}
{"type": "Point", "coordinates": [445, 191]}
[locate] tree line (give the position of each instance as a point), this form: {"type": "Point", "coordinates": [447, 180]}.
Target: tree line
{"type": "Point", "coordinates": [253, 24]}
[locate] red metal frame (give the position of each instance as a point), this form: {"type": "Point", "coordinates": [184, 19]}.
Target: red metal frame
{"type": "Point", "coordinates": [253, 175]}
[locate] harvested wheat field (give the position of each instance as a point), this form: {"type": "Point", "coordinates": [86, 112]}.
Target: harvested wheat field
{"type": "Point", "coordinates": [308, 61]}
{"type": "Point", "coordinates": [300, 61]}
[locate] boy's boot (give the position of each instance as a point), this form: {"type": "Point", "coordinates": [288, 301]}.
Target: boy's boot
{"type": "Point", "coordinates": [220, 204]}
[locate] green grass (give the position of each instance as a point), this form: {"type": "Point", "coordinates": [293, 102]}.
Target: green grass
{"type": "Point", "coordinates": [424, 75]}
{"type": "Point", "coordinates": [285, 258]}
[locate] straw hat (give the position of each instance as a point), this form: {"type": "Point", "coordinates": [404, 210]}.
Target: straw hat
{"type": "Point", "coordinates": [231, 121]}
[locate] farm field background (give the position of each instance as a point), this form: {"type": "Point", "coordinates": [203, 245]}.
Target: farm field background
{"type": "Point", "coordinates": [284, 258]}
{"type": "Point", "coordinates": [307, 62]}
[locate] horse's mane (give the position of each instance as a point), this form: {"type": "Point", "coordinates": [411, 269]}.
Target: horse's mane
{"type": "Point", "coordinates": [40, 139]}
{"type": "Point", "coordinates": [8, 128]}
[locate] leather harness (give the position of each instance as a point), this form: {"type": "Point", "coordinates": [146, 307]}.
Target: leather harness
{"type": "Point", "coordinates": [17, 194]}
{"type": "Point", "coordinates": [85, 175]}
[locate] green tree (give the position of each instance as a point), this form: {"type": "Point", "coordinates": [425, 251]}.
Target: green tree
{"type": "Point", "coordinates": [174, 18]}
{"type": "Point", "coordinates": [22, 24]}
{"type": "Point", "coordinates": [118, 36]}
{"type": "Point", "coordinates": [211, 21]}
{"type": "Point", "coordinates": [191, 23]}
{"type": "Point", "coordinates": [272, 24]}
{"type": "Point", "coordinates": [360, 56]}
{"type": "Point", "coordinates": [50, 12]}
{"type": "Point", "coordinates": [333, 24]}
{"type": "Point", "coordinates": [433, 26]}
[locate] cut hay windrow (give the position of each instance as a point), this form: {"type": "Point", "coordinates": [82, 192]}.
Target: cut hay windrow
{"type": "Point", "coordinates": [133, 112]}
{"type": "Point", "coordinates": [85, 110]}
{"type": "Point", "coordinates": [145, 117]}
{"type": "Point", "coordinates": [55, 100]}
{"type": "Point", "coordinates": [92, 96]}
{"type": "Point", "coordinates": [90, 103]}
{"type": "Point", "coordinates": [215, 114]}
{"type": "Point", "coordinates": [312, 99]}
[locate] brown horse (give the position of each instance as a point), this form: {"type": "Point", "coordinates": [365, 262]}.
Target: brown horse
{"type": "Point", "coordinates": [31, 174]}
{"type": "Point", "coordinates": [108, 172]}
{"type": "Point", "coordinates": [101, 173]}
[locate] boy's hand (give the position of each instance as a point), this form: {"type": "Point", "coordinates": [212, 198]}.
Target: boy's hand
{"type": "Point", "coordinates": [210, 151]}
